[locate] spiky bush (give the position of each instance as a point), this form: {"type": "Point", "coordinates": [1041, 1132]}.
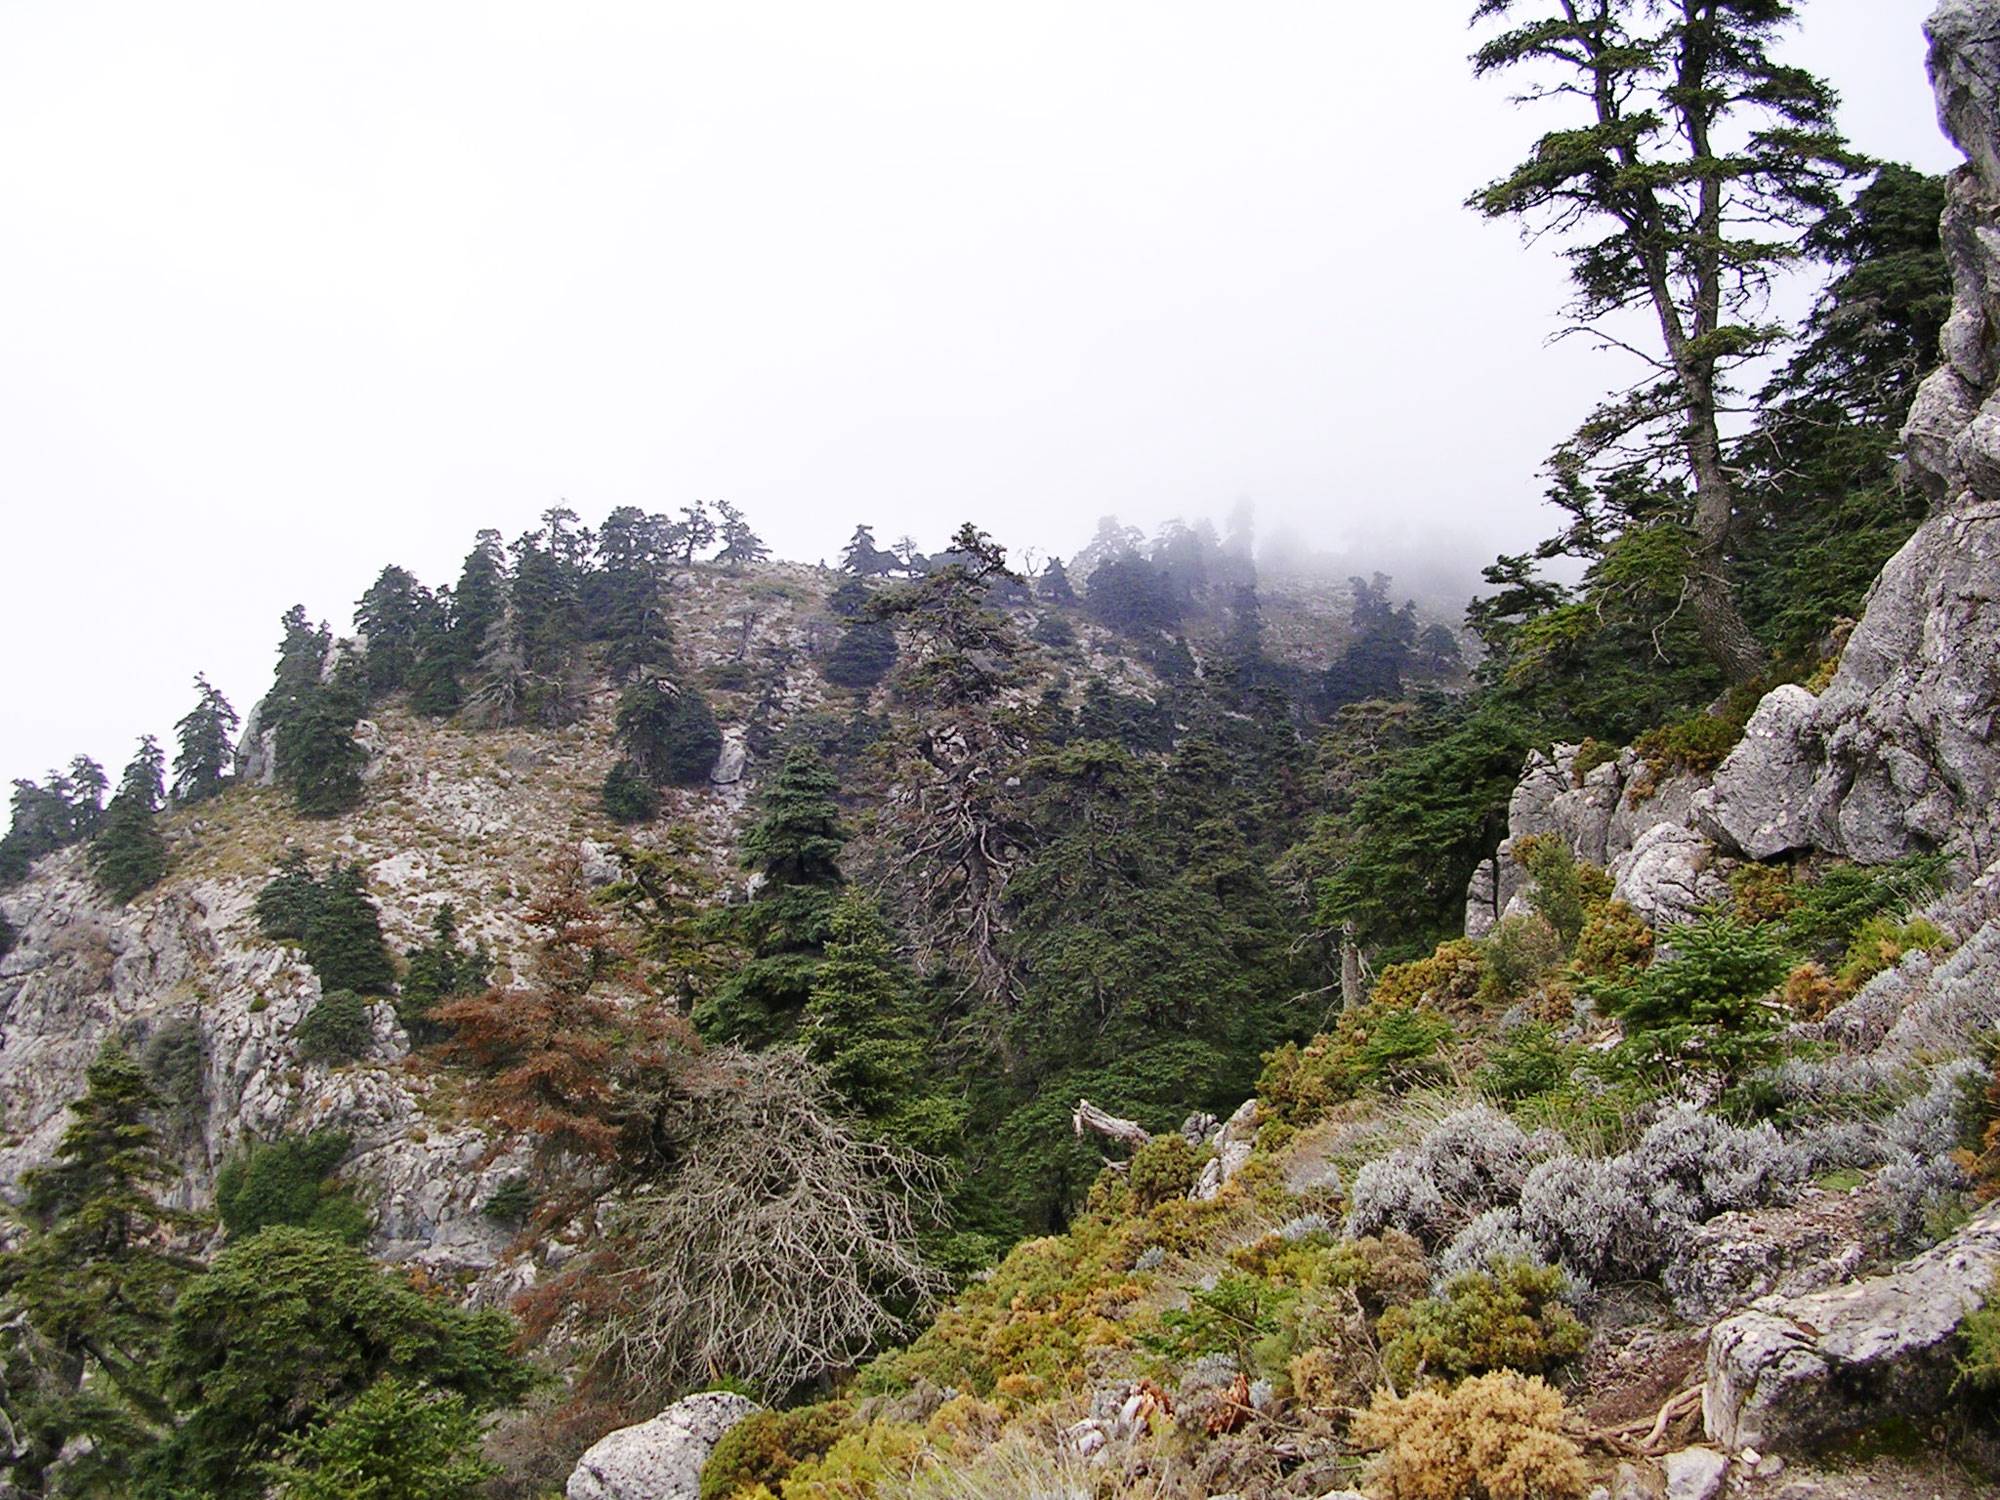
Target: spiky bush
{"type": "Point", "coordinates": [1692, 1166]}
{"type": "Point", "coordinates": [1495, 1437]}
{"type": "Point", "coordinates": [1919, 1196]}
{"type": "Point", "coordinates": [1511, 1317]}
{"type": "Point", "coordinates": [1165, 1167]}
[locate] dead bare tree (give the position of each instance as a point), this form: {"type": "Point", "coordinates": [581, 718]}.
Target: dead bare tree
{"type": "Point", "coordinates": [782, 1246]}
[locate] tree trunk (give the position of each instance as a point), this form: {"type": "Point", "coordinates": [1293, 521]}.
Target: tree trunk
{"type": "Point", "coordinates": [1350, 968]}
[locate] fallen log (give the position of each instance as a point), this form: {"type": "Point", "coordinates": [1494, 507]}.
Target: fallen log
{"type": "Point", "coordinates": [1088, 1117]}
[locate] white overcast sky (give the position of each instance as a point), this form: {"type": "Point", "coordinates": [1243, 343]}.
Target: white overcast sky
{"type": "Point", "coordinates": [290, 291]}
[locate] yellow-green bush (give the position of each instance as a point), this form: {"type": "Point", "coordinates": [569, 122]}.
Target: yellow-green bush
{"type": "Point", "coordinates": [1881, 944]}
{"type": "Point", "coordinates": [1510, 1319]}
{"type": "Point", "coordinates": [1518, 952]}
{"type": "Point", "coordinates": [766, 1446]}
{"type": "Point", "coordinates": [860, 1461]}
{"type": "Point", "coordinates": [1451, 974]}
{"type": "Point", "coordinates": [1372, 1046]}
{"type": "Point", "coordinates": [1164, 1168]}
{"type": "Point", "coordinates": [1762, 893]}
{"type": "Point", "coordinates": [1495, 1437]}
{"type": "Point", "coordinates": [1614, 940]}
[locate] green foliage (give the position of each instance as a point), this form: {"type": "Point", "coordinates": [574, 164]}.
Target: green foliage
{"type": "Point", "coordinates": [9, 935]}
{"type": "Point", "coordinates": [669, 732]}
{"type": "Point", "coordinates": [1164, 1168]}
{"type": "Point", "coordinates": [129, 854]}
{"type": "Point", "coordinates": [1829, 914]}
{"type": "Point", "coordinates": [1614, 941]}
{"type": "Point", "coordinates": [795, 845]}
{"type": "Point", "coordinates": [440, 970]}
{"type": "Point", "coordinates": [863, 1023]}
{"type": "Point", "coordinates": [1373, 1046]}
{"type": "Point", "coordinates": [397, 1440]}
{"type": "Point", "coordinates": [50, 816]}
{"type": "Point", "coordinates": [1231, 1317]}
{"type": "Point", "coordinates": [1706, 1006]}
{"type": "Point", "coordinates": [290, 1181]}
{"type": "Point", "coordinates": [207, 745]}
{"type": "Point", "coordinates": [1527, 1060]}
{"type": "Point", "coordinates": [318, 759]}
{"type": "Point", "coordinates": [336, 1030]}
{"type": "Point", "coordinates": [1564, 891]}
{"type": "Point", "coordinates": [287, 1328]}
{"type": "Point", "coordinates": [1517, 954]}
{"type": "Point", "coordinates": [399, 618]}
{"type": "Point", "coordinates": [1695, 744]}
{"type": "Point", "coordinates": [1512, 1318]}
{"type": "Point", "coordinates": [766, 1446]}
{"type": "Point", "coordinates": [1979, 1342]}
{"type": "Point", "coordinates": [1451, 974]}
{"type": "Point", "coordinates": [1881, 943]}
{"type": "Point", "coordinates": [511, 1203]}
{"type": "Point", "coordinates": [862, 656]}
{"type": "Point", "coordinates": [85, 1296]}
{"type": "Point", "coordinates": [628, 797]}
{"type": "Point", "coordinates": [334, 920]}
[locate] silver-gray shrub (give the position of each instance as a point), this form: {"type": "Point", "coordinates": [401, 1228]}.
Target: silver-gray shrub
{"type": "Point", "coordinates": [1935, 1122]}
{"type": "Point", "coordinates": [1692, 1166]}
{"type": "Point", "coordinates": [1477, 1159]}
{"type": "Point", "coordinates": [1589, 1215]}
{"type": "Point", "coordinates": [1496, 1236]}
{"type": "Point", "coordinates": [1914, 1190]}
{"type": "Point", "coordinates": [1304, 1227]}
{"type": "Point", "coordinates": [1396, 1192]}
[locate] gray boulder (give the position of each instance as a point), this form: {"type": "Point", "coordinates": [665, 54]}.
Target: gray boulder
{"type": "Point", "coordinates": [1758, 804]}
{"type": "Point", "coordinates": [1801, 1372]}
{"type": "Point", "coordinates": [660, 1459]}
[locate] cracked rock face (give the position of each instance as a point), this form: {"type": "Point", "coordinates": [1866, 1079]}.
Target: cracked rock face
{"type": "Point", "coordinates": [1803, 1372]}
{"type": "Point", "coordinates": [660, 1459]}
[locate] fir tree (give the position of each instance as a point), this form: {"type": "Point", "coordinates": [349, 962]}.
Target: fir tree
{"type": "Point", "coordinates": [399, 619]}
{"type": "Point", "coordinates": [301, 661]}
{"type": "Point", "coordinates": [795, 845]}
{"type": "Point", "coordinates": [206, 745]}
{"type": "Point", "coordinates": [1054, 585]}
{"type": "Point", "coordinates": [740, 544]}
{"type": "Point", "coordinates": [287, 901]}
{"type": "Point", "coordinates": [343, 936]}
{"type": "Point", "coordinates": [129, 853]}
{"type": "Point", "coordinates": [319, 760]}
{"type": "Point", "coordinates": [694, 532]}
{"type": "Point", "coordinates": [863, 558]}
{"type": "Point", "coordinates": [440, 970]}
{"type": "Point", "coordinates": [628, 593]}
{"type": "Point", "coordinates": [863, 1023]}
{"type": "Point", "coordinates": [477, 602]}
{"type": "Point", "coordinates": [669, 732]}
{"type": "Point", "coordinates": [628, 795]}
{"type": "Point", "coordinates": [85, 1299]}
{"type": "Point", "coordinates": [1689, 230]}
{"type": "Point", "coordinates": [284, 1331]}
{"type": "Point", "coordinates": [862, 656]}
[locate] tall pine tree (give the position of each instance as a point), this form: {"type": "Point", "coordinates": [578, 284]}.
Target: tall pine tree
{"type": "Point", "coordinates": [129, 853]}
{"type": "Point", "coordinates": [207, 745]}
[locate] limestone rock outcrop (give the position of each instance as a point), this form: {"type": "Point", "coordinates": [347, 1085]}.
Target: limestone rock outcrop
{"type": "Point", "coordinates": [660, 1459]}
{"type": "Point", "coordinates": [1801, 1372]}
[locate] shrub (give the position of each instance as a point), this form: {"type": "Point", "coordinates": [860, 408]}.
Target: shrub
{"type": "Point", "coordinates": [395, 1441]}
{"type": "Point", "coordinates": [1979, 1338]}
{"type": "Point", "coordinates": [1527, 1060]}
{"type": "Point", "coordinates": [1165, 1167]}
{"type": "Point", "coordinates": [1510, 1317]}
{"type": "Point", "coordinates": [1396, 1192]}
{"type": "Point", "coordinates": [175, 1066]}
{"type": "Point", "coordinates": [862, 656]}
{"type": "Point", "coordinates": [287, 900]}
{"type": "Point", "coordinates": [1829, 913]}
{"type": "Point", "coordinates": [1372, 1046]}
{"type": "Point", "coordinates": [1591, 754]}
{"type": "Point", "coordinates": [1477, 1157]}
{"type": "Point", "coordinates": [1880, 944]}
{"type": "Point", "coordinates": [1450, 974]}
{"type": "Point", "coordinates": [1615, 940]}
{"type": "Point", "coordinates": [1563, 890]}
{"type": "Point", "coordinates": [336, 1030]}
{"type": "Point", "coordinates": [1692, 1166]}
{"type": "Point", "coordinates": [510, 1203]}
{"type": "Point", "coordinates": [1761, 893]}
{"type": "Point", "coordinates": [628, 797]}
{"type": "Point", "coordinates": [1698, 744]}
{"type": "Point", "coordinates": [766, 1446]}
{"type": "Point", "coordinates": [1705, 1008]}
{"type": "Point", "coordinates": [1493, 1238]}
{"type": "Point", "coordinates": [288, 1181]}
{"type": "Point", "coordinates": [1810, 992]}
{"type": "Point", "coordinates": [1588, 1214]}
{"type": "Point", "coordinates": [1385, 1270]}
{"type": "Point", "coordinates": [1496, 1437]}
{"type": "Point", "coordinates": [1517, 953]}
